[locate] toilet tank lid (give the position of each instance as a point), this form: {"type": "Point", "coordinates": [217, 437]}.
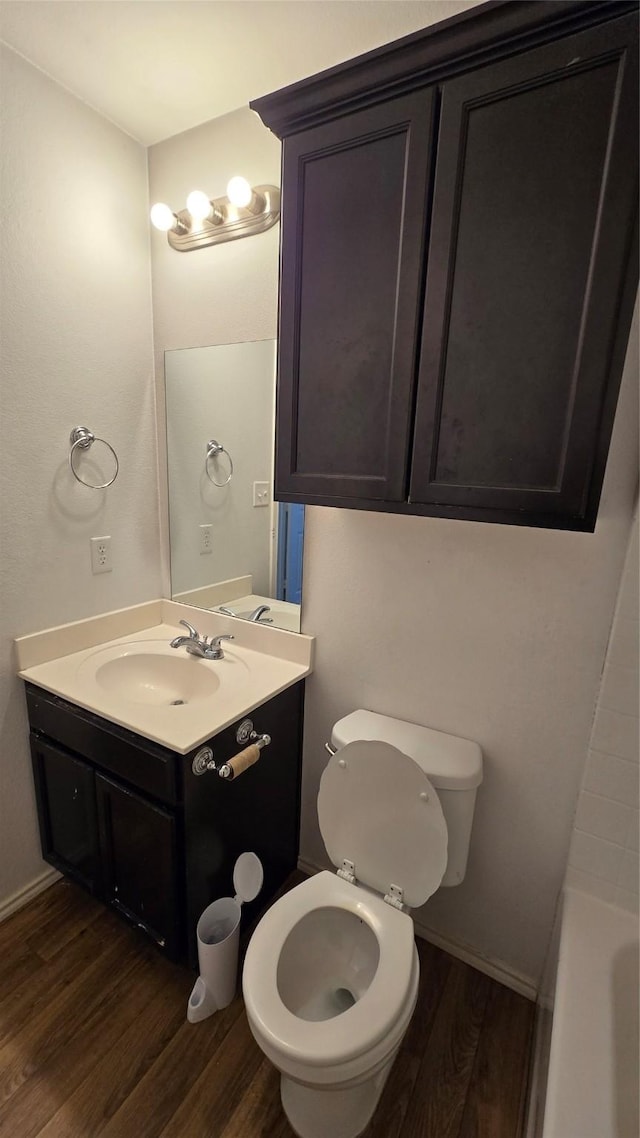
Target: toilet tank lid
{"type": "Point", "coordinates": [450, 762]}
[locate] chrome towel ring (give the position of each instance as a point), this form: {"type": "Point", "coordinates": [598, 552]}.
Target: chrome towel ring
{"type": "Point", "coordinates": [213, 450]}
{"type": "Point", "coordinates": [81, 438]}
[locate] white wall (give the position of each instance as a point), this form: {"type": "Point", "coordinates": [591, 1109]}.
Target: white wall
{"type": "Point", "coordinates": [604, 849]}
{"type": "Point", "coordinates": [76, 349]}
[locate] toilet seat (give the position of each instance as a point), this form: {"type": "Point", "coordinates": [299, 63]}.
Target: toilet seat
{"type": "Point", "coordinates": [333, 1041]}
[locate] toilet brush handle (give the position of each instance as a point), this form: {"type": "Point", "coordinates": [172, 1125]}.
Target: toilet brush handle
{"type": "Point", "coordinates": [240, 762]}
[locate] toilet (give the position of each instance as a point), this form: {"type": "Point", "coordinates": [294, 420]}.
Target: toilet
{"type": "Point", "coordinates": [330, 977]}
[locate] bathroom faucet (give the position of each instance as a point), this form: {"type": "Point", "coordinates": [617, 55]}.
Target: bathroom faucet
{"type": "Point", "coordinates": [258, 612]}
{"type": "Point", "coordinates": [197, 645]}
{"type": "Point", "coordinates": [254, 616]}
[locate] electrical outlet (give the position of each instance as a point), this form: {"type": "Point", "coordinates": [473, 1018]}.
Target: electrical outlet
{"type": "Point", "coordinates": [261, 493]}
{"type": "Point", "coordinates": [101, 555]}
{"type": "Point", "coordinates": [206, 539]}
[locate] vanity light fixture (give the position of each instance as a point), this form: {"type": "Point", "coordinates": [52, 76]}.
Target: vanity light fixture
{"type": "Point", "coordinates": [245, 210]}
{"type": "Point", "coordinates": [163, 217]}
{"type": "Point", "coordinates": [241, 194]}
{"type": "Point", "coordinates": [239, 191]}
{"type": "Point", "coordinates": [201, 209]}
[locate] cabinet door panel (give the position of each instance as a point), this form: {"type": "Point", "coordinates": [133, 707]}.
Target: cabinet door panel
{"type": "Point", "coordinates": [528, 268]}
{"type": "Point", "coordinates": [354, 205]}
{"type": "Point", "coordinates": [65, 795]}
{"type": "Point", "coordinates": [138, 841]}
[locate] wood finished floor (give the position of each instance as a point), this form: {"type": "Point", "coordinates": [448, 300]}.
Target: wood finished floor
{"type": "Point", "coordinates": [94, 1041]}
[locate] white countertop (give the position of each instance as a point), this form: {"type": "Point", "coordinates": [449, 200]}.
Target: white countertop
{"type": "Point", "coordinates": [258, 664]}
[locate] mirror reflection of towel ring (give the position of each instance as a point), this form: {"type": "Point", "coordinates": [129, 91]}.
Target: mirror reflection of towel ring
{"type": "Point", "coordinates": [81, 438]}
{"type": "Point", "coordinates": [213, 450]}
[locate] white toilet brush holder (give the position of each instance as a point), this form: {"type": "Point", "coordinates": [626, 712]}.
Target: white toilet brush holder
{"type": "Point", "coordinates": [218, 934]}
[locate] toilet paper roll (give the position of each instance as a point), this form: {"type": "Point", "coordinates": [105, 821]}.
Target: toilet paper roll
{"type": "Point", "coordinates": [241, 762]}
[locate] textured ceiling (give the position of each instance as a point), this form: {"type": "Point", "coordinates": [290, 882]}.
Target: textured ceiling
{"type": "Point", "coordinates": [158, 67]}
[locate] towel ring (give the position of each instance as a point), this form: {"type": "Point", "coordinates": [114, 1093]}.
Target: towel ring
{"type": "Point", "coordinates": [213, 450]}
{"type": "Point", "coordinates": [82, 438]}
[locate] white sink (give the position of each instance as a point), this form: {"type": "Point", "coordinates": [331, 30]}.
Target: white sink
{"type": "Point", "coordinates": [146, 672]}
{"type": "Point", "coordinates": [160, 680]}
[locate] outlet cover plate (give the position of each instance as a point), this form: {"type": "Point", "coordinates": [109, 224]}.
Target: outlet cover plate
{"type": "Point", "coordinates": [206, 538]}
{"type": "Point", "coordinates": [261, 493]}
{"type": "Point", "coordinates": [101, 555]}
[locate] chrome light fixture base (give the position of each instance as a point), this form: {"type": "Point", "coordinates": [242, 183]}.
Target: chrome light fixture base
{"type": "Point", "coordinates": [237, 221]}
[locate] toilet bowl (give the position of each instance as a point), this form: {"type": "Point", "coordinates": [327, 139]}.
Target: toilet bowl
{"type": "Point", "coordinates": [330, 986]}
{"type": "Point", "coordinates": [331, 973]}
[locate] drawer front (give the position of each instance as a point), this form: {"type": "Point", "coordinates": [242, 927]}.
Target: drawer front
{"type": "Point", "coordinates": [140, 763]}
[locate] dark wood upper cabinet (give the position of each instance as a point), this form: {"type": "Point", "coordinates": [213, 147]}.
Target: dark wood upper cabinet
{"type": "Point", "coordinates": [533, 207]}
{"type": "Point", "coordinates": [352, 256]}
{"type": "Point", "coordinates": [459, 264]}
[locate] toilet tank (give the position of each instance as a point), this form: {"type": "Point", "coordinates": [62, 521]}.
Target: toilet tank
{"type": "Point", "coordinates": [452, 765]}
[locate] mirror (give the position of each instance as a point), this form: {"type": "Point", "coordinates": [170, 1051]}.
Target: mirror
{"type": "Point", "coordinates": [232, 546]}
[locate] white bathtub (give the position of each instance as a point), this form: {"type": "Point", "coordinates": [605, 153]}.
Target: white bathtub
{"type": "Point", "coordinates": [592, 1083]}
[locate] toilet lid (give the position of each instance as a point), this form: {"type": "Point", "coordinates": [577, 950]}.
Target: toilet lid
{"type": "Point", "coordinates": [378, 809]}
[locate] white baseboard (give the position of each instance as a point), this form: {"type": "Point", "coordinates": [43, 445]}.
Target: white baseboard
{"type": "Point", "coordinates": [22, 897]}
{"type": "Point", "coordinates": [496, 969]}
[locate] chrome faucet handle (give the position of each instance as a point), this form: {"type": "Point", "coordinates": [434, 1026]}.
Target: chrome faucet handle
{"type": "Point", "coordinates": [213, 650]}
{"type": "Point", "coordinates": [215, 640]}
{"type": "Point", "coordinates": [226, 611]}
{"type": "Point", "coordinates": [192, 632]}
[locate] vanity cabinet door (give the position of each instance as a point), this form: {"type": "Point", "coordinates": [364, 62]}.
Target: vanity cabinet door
{"type": "Point", "coordinates": [354, 214]}
{"type": "Point", "coordinates": [65, 795]}
{"type": "Point", "coordinates": [530, 243]}
{"type": "Point", "coordinates": [139, 853]}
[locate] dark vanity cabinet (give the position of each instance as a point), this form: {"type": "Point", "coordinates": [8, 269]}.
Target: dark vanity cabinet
{"type": "Point", "coordinates": [131, 821]}
{"type": "Point", "coordinates": [459, 265]}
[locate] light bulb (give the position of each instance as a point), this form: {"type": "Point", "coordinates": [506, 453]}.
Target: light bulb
{"type": "Point", "coordinates": [239, 191]}
{"type": "Point", "coordinates": [199, 205]}
{"type": "Point", "coordinates": [163, 217]}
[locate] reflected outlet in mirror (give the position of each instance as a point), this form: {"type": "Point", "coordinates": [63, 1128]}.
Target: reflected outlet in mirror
{"type": "Point", "coordinates": [231, 544]}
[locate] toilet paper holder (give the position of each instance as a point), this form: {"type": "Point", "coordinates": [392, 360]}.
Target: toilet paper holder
{"type": "Point", "coordinates": [204, 761]}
